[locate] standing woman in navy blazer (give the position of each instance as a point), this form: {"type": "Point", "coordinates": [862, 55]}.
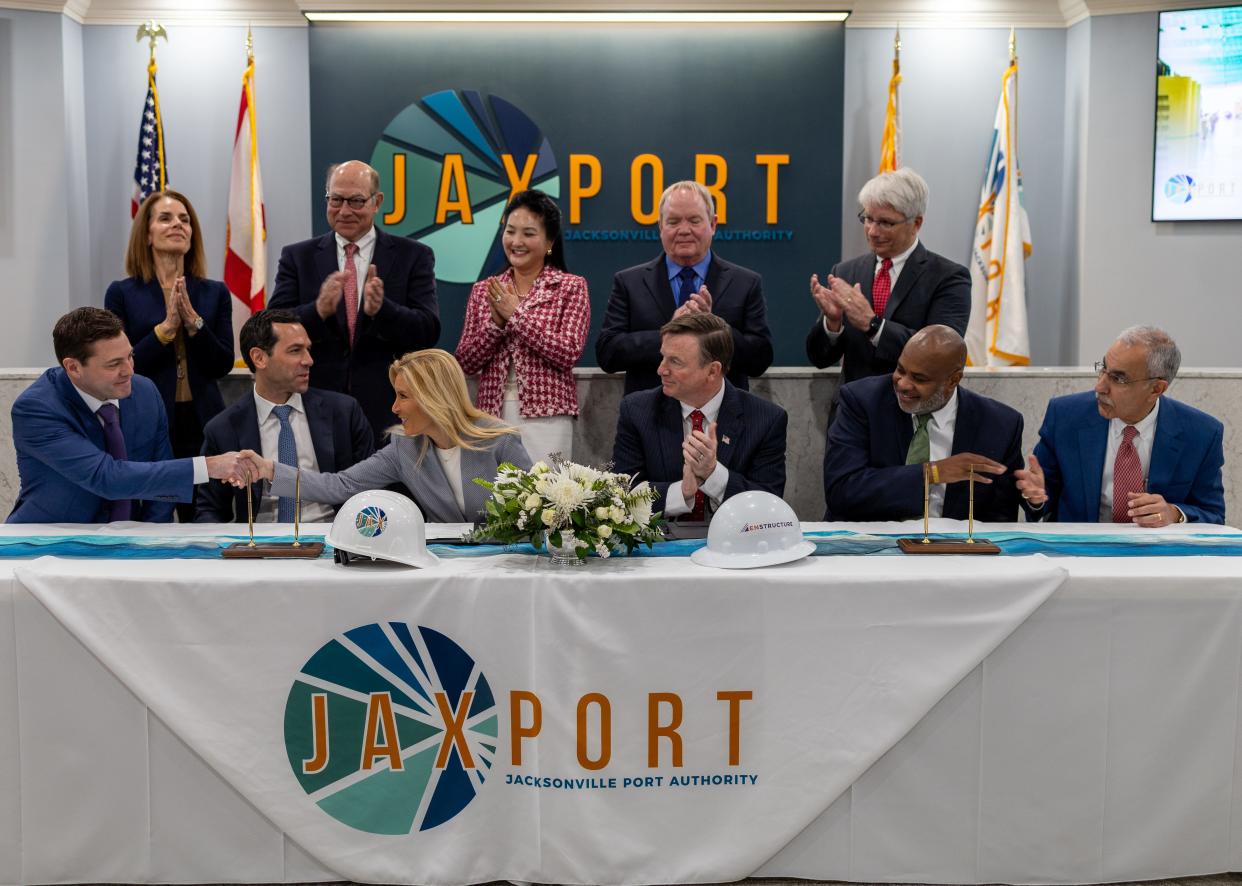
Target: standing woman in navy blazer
{"type": "Point", "coordinates": [179, 322]}
{"type": "Point", "coordinates": [525, 330]}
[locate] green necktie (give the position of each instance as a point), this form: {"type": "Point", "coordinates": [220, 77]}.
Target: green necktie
{"type": "Point", "coordinates": [920, 444]}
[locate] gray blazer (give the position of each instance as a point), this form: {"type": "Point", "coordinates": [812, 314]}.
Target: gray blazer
{"type": "Point", "coordinates": [398, 463]}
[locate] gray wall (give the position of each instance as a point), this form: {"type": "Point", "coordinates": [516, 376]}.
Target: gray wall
{"type": "Point", "coordinates": [1180, 275]}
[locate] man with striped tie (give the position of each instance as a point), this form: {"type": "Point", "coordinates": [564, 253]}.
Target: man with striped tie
{"type": "Point", "coordinates": [284, 419]}
{"type": "Point", "coordinates": [1124, 452]}
{"type": "Point", "coordinates": [889, 430]}
{"type": "Point", "coordinates": [870, 305]}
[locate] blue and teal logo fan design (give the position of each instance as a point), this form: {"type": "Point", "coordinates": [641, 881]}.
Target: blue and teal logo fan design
{"type": "Point", "coordinates": [371, 521]}
{"type": "Point", "coordinates": [391, 728]}
{"type": "Point", "coordinates": [1179, 188]}
{"type": "Point", "coordinates": [493, 140]}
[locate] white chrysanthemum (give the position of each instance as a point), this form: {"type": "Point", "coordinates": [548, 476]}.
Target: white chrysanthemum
{"type": "Point", "coordinates": [641, 509]}
{"type": "Point", "coordinates": [565, 494]}
{"type": "Point", "coordinates": [582, 473]}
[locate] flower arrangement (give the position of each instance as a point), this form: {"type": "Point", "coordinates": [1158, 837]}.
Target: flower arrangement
{"type": "Point", "coordinates": [569, 504]}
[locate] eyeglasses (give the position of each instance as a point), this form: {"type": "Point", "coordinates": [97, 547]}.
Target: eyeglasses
{"type": "Point", "coordinates": [883, 224]}
{"type": "Point", "coordinates": [1119, 378]}
{"type": "Point", "coordinates": [336, 201]}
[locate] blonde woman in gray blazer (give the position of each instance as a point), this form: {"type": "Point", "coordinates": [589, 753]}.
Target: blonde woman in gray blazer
{"type": "Point", "coordinates": [441, 445]}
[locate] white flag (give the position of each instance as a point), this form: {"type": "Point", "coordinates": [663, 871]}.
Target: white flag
{"type": "Point", "coordinates": [997, 334]}
{"type": "Point", "coordinates": [245, 255]}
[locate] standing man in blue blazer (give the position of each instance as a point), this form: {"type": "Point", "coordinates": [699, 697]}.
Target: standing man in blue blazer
{"type": "Point", "coordinates": [326, 431]}
{"type": "Point", "coordinates": [697, 439]}
{"type": "Point", "coordinates": [365, 297]}
{"type": "Point", "coordinates": [890, 429]}
{"type": "Point", "coordinates": [92, 437]}
{"type": "Point", "coordinates": [872, 304]}
{"type": "Point", "coordinates": [688, 277]}
{"type": "Point", "coordinates": [1125, 453]}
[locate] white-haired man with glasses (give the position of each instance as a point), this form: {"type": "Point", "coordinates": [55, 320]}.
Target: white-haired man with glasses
{"type": "Point", "coordinates": [869, 306]}
{"type": "Point", "coordinates": [1124, 452]}
{"type": "Point", "coordinates": [365, 297]}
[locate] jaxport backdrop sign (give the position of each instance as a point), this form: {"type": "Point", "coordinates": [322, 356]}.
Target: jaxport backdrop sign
{"type": "Point", "coordinates": [457, 117]}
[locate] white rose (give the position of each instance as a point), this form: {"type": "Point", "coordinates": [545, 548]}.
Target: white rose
{"type": "Point", "coordinates": [604, 530]}
{"type": "Point", "coordinates": [539, 467]}
{"type": "Point", "coordinates": [548, 517]}
{"type": "Point", "coordinates": [618, 515]}
{"type": "Point", "coordinates": [532, 502]}
{"type": "Point", "coordinates": [601, 513]}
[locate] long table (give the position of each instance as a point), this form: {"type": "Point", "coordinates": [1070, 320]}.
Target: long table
{"type": "Point", "coordinates": [875, 718]}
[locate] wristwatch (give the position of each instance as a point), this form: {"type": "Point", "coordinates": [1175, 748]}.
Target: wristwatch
{"type": "Point", "coordinates": [876, 322]}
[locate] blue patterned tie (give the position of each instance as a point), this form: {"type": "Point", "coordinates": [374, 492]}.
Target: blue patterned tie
{"type": "Point", "coordinates": [685, 278]}
{"type": "Point", "coordinates": [286, 454]}
{"type": "Point", "coordinates": [114, 445]}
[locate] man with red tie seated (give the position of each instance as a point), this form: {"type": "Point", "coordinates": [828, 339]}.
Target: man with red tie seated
{"type": "Point", "coordinates": [1125, 453]}
{"type": "Point", "coordinates": [92, 437]}
{"type": "Point", "coordinates": [872, 304]}
{"type": "Point", "coordinates": [365, 297]}
{"type": "Point", "coordinates": [697, 439]}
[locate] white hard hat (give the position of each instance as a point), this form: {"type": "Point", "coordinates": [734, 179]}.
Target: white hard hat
{"type": "Point", "coordinates": [753, 529]}
{"type": "Point", "coordinates": [381, 525]}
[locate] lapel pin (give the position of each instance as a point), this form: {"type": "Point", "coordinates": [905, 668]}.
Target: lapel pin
{"type": "Point", "coordinates": [726, 439]}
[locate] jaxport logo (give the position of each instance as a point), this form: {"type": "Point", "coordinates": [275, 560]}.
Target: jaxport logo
{"type": "Point", "coordinates": [450, 162]}
{"type": "Point", "coordinates": [1179, 188]}
{"type": "Point", "coordinates": [391, 728]}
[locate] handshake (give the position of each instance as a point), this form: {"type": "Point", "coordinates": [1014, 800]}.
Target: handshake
{"type": "Point", "coordinates": [239, 469]}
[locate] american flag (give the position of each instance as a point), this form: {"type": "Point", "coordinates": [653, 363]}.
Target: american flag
{"type": "Point", "coordinates": [151, 167]}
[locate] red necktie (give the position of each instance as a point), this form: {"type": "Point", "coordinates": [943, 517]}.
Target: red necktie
{"type": "Point", "coordinates": [351, 289]}
{"type": "Point", "coordinates": [1127, 475]}
{"type": "Point", "coordinates": [699, 513]}
{"type": "Point", "coordinates": [881, 288]}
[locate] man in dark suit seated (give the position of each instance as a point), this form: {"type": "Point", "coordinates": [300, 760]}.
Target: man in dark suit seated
{"type": "Point", "coordinates": [1125, 453]}
{"type": "Point", "coordinates": [688, 277]}
{"type": "Point", "coordinates": [698, 439]}
{"type": "Point", "coordinates": [890, 429]}
{"type": "Point", "coordinates": [92, 437]}
{"type": "Point", "coordinates": [284, 419]}
{"type": "Point", "coordinates": [365, 297]}
{"type": "Point", "coordinates": [872, 304]}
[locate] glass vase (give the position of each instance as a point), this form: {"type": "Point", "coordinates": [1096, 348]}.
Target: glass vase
{"type": "Point", "coordinates": [564, 554]}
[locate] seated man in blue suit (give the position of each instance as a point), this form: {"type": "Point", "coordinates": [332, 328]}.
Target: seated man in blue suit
{"type": "Point", "coordinates": [888, 427]}
{"type": "Point", "coordinates": [688, 276]}
{"type": "Point", "coordinates": [365, 297]}
{"type": "Point", "coordinates": [698, 439]}
{"type": "Point", "coordinates": [1125, 453]}
{"type": "Point", "coordinates": [92, 437]}
{"type": "Point", "coordinates": [323, 430]}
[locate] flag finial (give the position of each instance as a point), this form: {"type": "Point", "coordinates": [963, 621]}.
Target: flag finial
{"type": "Point", "coordinates": [249, 45]}
{"type": "Point", "coordinates": [1013, 45]}
{"type": "Point", "coordinates": [897, 42]}
{"type": "Point", "coordinates": [150, 30]}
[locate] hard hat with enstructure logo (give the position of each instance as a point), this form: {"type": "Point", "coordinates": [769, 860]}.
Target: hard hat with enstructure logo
{"type": "Point", "coordinates": [753, 529]}
{"type": "Point", "coordinates": [381, 525]}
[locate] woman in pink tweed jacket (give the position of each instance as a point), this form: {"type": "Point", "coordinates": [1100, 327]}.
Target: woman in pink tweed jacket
{"type": "Point", "coordinates": [525, 330]}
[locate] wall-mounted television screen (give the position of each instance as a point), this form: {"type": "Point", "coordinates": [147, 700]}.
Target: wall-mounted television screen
{"type": "Point", "coordinates": [1198, 161]}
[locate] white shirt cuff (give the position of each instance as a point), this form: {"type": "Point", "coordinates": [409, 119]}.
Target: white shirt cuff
{"type": "Point", "coordinates": [875, 339]}
{"type": "Point", "coordinates": [674, 501]}
{"type": "Point", "coordinates": [832, 336]}
{"type": "Point", "coordinates": [716, 483]}
{"type": "Point", "coordinates": [200, 469]}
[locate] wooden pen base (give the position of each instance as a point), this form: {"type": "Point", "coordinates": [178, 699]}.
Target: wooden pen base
{"type": "Point", "coordinates": [946, 546]}
{"type": "Point", "coordinates": [307, 550]}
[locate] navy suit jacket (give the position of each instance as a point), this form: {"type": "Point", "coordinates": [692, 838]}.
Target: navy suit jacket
{"type": "Point", "coordinates": [209, 351]}
{"type": "Point", "coordinates": [339, 432]}
{"type": "Point", "coordinates": [642, 301]}
{"type": "Point", "coordinates": [408, 320]}
{"type": "Point", "coordinates": [750, 441]}
{"type": "Point", "coordinates": [1186, 460]}
{"type": "Point", "coordinates": [930, 290]}
{"type": "Point", "coordinates": [865, 472]}
{"type": "Point", "coordinates": [67, 477]}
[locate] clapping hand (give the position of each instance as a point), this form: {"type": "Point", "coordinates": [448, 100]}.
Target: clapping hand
{"type": "Point", "coordinates": [854, 306]}
{"type": "Point", "coordinates": [504, 299]}
{"type": "Point", "coordinates": [698, 302]}
{"type": "Point", "coordinates": [180, 300]}
{"type": "Point", "coordinates": [330, 294]}
{"type": "Point", "coordinates": [372, 292]}
{"type": "Point", "coordinates": [826, 303]}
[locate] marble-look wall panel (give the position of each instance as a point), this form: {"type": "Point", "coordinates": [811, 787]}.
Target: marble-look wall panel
{"type": "Point", "coordinates": [806, 395]}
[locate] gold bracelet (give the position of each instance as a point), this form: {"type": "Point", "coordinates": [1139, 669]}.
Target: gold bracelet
{"type": "Point", "coordinates": [935, 473]}
{"type": "Point", "coordinates": [164, 340]}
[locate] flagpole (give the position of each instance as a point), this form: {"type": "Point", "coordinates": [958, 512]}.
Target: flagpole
{"type": "Point", "coordinates": [151, 30]}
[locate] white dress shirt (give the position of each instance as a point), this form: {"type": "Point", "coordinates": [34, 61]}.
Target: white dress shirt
{"type": "Point", "coordinates": [269, 440]}
{"type": "Point", "coordinates": [894, 272]}
{"type": "Point", "coordinates": [717, 481]}
{"type": "Point", "coordinates": [362, 258]}
{"type": "Point", "coordinates": [940, 436]}
{"type": "Point", "coordinates": [93, 404]}
{"type": "Point", "coordinates": [1143, 443]}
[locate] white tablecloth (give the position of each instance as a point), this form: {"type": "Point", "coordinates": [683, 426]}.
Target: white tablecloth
{"type": "Point", "coordinates": [1098, 742]}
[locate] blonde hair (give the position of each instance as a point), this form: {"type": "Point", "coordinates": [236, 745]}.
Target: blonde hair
{"type": "Point", "coordinates": [436, 381]}
{"type": "Point", "coordinates": [139, 260]}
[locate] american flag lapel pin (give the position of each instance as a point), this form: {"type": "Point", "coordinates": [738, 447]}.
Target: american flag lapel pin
{"type": "Point", "coordinates": [726, 440]}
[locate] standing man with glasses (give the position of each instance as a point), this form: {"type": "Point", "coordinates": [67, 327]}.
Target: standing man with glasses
{"type": "Point", "coordinates": [870, 305]}
{"type": "Point", "coordinates": [1125, 453]}
{"type": "Point", "coordinates": [364, 297]}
